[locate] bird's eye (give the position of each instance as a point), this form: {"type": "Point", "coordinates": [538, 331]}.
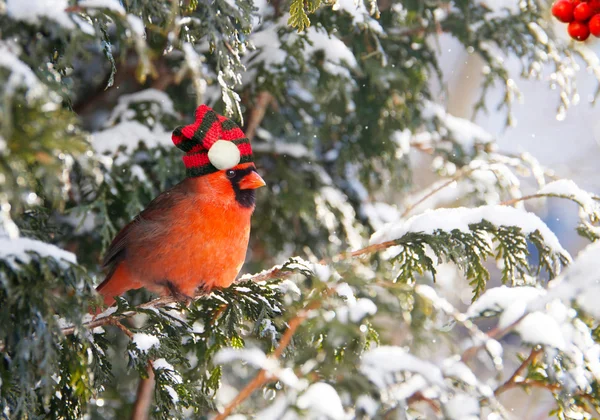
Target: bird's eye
{"type": "Point", "coordinates": [230, 173]}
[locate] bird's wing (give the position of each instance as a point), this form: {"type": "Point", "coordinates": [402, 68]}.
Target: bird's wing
{"type": "Point", "coordinates": [155, 211]}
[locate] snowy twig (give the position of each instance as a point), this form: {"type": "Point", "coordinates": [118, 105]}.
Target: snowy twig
{"type": "Point", "coordinates": [262, 376]}
{"type": "Point", "coordinates": [514, 379]}
{"type": "Point", "coordinates": [495, 333]}
{"type": "Point", "coordinates": [459, 175]}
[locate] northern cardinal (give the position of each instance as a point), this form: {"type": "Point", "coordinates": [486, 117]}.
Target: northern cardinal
{"type": "Point", "coordinates": [195, 235]}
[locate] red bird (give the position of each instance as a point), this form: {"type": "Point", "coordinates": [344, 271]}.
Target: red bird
{"type": "Point", "coordinates": [195, 235]}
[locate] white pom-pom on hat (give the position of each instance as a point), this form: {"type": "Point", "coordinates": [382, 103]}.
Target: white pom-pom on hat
{"type": "Point", "coordinates": [224, 154]}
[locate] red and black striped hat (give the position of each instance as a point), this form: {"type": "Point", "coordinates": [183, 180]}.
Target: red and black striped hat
{"type": "Point", "coordinates": [212, 143]}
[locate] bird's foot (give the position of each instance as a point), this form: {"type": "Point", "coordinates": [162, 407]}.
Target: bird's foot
{"type": "Point", "coordinates": [177, 293]}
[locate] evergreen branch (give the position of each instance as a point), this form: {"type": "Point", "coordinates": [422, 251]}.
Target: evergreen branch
{"type": "Point", "coordinates": [261, 377]}
{"type": "Point", "coordinates": [495, 333]}
{"type": "Point", "coordinates": [276, 272]}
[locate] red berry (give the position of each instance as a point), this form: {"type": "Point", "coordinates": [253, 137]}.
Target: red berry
{"type": "Point", "coordinates": [582, 12]}
{"type": "Point", "coordinates": [578, 31]}
{"type": "Point", "coordinates": [594, 26]}
{"type": "Point", "coordinates": [563, 11]}
{"type": "Point", "coordinates": [594, 5]}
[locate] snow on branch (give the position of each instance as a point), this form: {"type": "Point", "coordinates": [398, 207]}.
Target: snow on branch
{"type": "Point", "coordinates": [462, 218]}
{"type": "Point", "coordinates": [469, 236]}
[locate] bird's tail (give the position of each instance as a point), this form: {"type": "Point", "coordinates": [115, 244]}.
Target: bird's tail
{"type": "Point", "coordinates": [116, 283]}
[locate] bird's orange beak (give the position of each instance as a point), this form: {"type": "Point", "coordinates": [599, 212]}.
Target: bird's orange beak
{"type": "Point", "coordinates": [251, 181]}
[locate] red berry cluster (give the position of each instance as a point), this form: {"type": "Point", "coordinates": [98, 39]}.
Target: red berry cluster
{"type": "Point", "coordinates": [583, 17]}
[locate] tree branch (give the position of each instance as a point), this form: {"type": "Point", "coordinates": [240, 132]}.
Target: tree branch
{"type": "Point", "coordinates": [143, 398]}
{"type": "Point", "coordinates": [262, 377]}
{"type": "Point", "coordinates": [513, 380]}
{"type": "Point", "coordinates": [257, 113]}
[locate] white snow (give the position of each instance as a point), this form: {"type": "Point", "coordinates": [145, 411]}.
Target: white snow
{"type": "Point", "coordinates": [367, 404]}
{"type": "Point", "coordinates": [568, 189]}
{"type": "Point", "coordinates": [321, 399]}
{"type": "Point", "coordinates": [355, 309]}
{"type": "Point", "coordinates": [331, 198]}
{"type": "Point", "coordinates": [460, 218]}
{"type": "Point", "coordinates": [497, 299]}
{"type": "Point", "coordinates": [359, 13]}
{"type": "Point", "coordinates": [112, 5]}
{"type": "Point", "coordinates": [172, 393]}
{"type": "Point", "coordinates": [462, 407]}
{"type": "Point", "coordinates": [288, 286]}
{"type": "Point", "coordinates": [454, 368]}
{"type": "Point", "coordinates": [580, 281]}
{"type": "Point", "coordinates": [127, 135]}
{"type": "Point", "coordinates": [254, 356]}
{"type": "Point", "coordinates": [33, 10]}
{"type": "Point", "coordinates": [136, 25]}
{"type": "Point", "coordinates": [122, 109]}
{"type": "Point", "coordinates": [295, 150]}
{"type": "Point", "coordinates": [272, 55]}
{"type": "Point", "coordinates": [20, 73]}
{"type": "Point", "coordinates": [537, 328]}
{"type": "Point", "coordinates": [162, 364]}
{"type": "Point", "coordinates": [257, 358]}
{"type": "Point", "coordinates": [462, 130]}
{"type": "Point", "coordinates": [13, 249]}
{"type": "Point", "coordinates": [381, 363]}
{"type": "Point", "coordinates": [500, 8]}
{"type": "Point", "coordinates": [145, 342]}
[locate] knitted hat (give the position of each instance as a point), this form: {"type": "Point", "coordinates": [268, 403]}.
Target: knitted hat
{"type": "Point", "coordinates": [212, 143]}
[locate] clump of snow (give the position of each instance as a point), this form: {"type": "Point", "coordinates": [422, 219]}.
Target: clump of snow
{"type": "Point", "coordinates": [462, 407]}
{"type": "Point", "coordinates": [123, 112]}
{"type": "Point", "coordinates": [497, 299]}
{"type": "Point", "coordinates": [580, 281]}
{"type": "Point", "coordinates": [355, 309]}
{"type": "Point", "coordinates": [462, 130]}
{"type": "Point", "coordinates": [321, 400]}
{"type": "Point", "coordinates": [568, 189]}
{"type": "Point", "coordinates": [454, 368]}
{"type": "Point", "coordinates": [127, 136]}
{"type": "Point", "coordinates": [359, 13]}
{"type": "Point", "coordinates": [288, 286]}
{"type": "Point", "coordinates": [331, 198]}
{"type": "Point", "coordinates": [112, 5]}
{"type": "Point", "coordinates": [172, 393]}
{"type": "Point", "coordinates": [272, 55]}
{"type": "Point", "coordinates": [295, 150]}
{"type": "Point", "coordinates": [378, 213]}
{"type": "Point", "coordinates": [460, 218]}
{"type": "Point", "coordinates": [19, 249]}
{"type": "Point", "coordinates": [254, 356]}
{"type": "Point", "coordinates": [162, 364]}
{"type": "Point", "coordinates": [381, 363]}
{"type": "Point", "coordinates": [33, 11]}
{"type": "Point", "coordinates": [21, 74]}
{"type": "Point", "coordinates": [367, 404]}
{"type": "Point", "coordinates": [258, 359]}
{"type": "Point", "coordinates": [137, 26]}
{"type": "Point", "coordinates": [499, 9]}
{"type": "Point", "coordinates": [145, 342]}
{"type": "Point", "coordinates": [536, 328]}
